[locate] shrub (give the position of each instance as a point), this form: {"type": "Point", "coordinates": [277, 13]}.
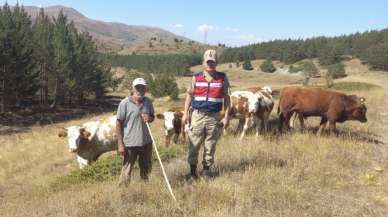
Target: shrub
{"type": "Point", "coordinates": [336, 70]}
{"type": "Point", "coordinates": [267, 66]}
{"type": "Point", "coordinates": [164, 85]}
{"type": "Point", "coordinates": [247, 65]}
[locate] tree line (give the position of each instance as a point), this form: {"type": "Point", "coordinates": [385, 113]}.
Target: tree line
{"type": "Point", "coordinates": [173, 64]}
{"type": "Point", "coordinates": [370, 46]}
{"type": "Point", "coordinates": [47, 60]}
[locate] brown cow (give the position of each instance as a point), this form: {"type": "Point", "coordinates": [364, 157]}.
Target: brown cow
{"type": "Point", "coordinates": [173, 124]}
{"type": "Point", "coordinates": [332, 106]}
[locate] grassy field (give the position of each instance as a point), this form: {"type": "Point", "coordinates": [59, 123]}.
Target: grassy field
{"type": "Point", "coordinates": [296, 174]}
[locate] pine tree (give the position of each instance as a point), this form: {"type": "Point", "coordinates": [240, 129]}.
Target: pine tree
{"type": "Point", "coordinates": [43, 54]}
{"type": "Point", "coordinates": [18, 78]}
{"type": "Point", "coordinates": [62, 57]}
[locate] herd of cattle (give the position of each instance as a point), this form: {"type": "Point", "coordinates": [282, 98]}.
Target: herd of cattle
{"type": "Point", "coordinates": [252, 108]}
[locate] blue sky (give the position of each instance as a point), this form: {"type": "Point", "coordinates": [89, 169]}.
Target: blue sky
{"type": "Point", "coordinates": [237, 22]}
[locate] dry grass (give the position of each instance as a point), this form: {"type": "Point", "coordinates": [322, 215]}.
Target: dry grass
{"type": "Point", "coordinates": [297, 174]}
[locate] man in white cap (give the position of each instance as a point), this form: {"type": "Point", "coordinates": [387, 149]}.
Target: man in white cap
{"type": "Point", "coordinates": [207, 95]}
{"type": "Point", "coordinates": [134, 140]}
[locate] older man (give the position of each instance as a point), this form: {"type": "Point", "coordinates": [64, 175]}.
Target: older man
{"type": "Point", "coordinates": [207, 94]}
{"type": "Point", "coordinates": [134, 139]}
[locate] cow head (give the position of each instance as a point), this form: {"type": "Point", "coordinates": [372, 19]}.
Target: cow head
{"type": "Point", "coordinates": [168, 118]}
{"type": "Point", "coordinates": [358, 111]}
{"type": "Point", "coordinates": [267, 89]}
{"type": "Point", "coordinates": [76, 136]}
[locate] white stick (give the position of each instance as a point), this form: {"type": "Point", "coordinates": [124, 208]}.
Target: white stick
{"type": "Point", "coordinates": [161, 164]}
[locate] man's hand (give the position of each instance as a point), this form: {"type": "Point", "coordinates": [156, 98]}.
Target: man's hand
{"type": "Point", "coordinates": [185, 119]}
{"type": "Point", "coordinates": [146, 117]}
{"type": "Point", "coordinates": [121, 149]}
{"type": "Point", "coordinates": [225, 122]}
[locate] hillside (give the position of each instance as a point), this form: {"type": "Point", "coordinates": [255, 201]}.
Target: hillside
{"type": "Point", "coordinates": [123, 38]}
{"type": "Point", "coordinates": [296, 174]}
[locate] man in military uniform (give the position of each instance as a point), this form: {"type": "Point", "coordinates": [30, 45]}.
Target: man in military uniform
{"type": "Point", "coordinates": [207, 95]}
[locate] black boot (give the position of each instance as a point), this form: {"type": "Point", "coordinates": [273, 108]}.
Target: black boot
{"type": "Point", "coordinates": [193, 173]}
{"type": "Point", "coordinates": [206, 172]}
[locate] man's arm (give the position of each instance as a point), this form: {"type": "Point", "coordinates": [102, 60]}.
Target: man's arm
{"type": "Point", "coordinates": [188, 100]}
{"type": "Point", "coordinates": [120, 137]}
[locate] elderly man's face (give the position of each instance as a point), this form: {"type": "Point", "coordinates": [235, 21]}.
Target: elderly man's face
{"type": "Point", "coordinates": [210, 66]}
{"type": "Point", "coordinates": [139, 90]}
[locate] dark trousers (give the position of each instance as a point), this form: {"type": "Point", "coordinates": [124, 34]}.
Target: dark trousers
{"type": "Point", "coordinates": [144, 154]}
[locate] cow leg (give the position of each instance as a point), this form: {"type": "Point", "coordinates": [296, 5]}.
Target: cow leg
{"type": "Point", "coordinates": [176, 137]}
{"type": "Point", "coordinates": [322, 125]}
{"type": "Point", "coordinates": [183, 137]}
{"type": "Point", "coordinates": [332, 127]}
{"type": "Point", "coordinates": [82, 162]}
{"type": "Point", "coordinates": [245, 128]}
{"type": "Point", "coordinates": [301, 121]}
{"type": "Point", "coordinates": [241, 123]}
{"type": "Point", "coordinates": [258, 126]}
{"type": "Point", "coordinates": [265, 122]}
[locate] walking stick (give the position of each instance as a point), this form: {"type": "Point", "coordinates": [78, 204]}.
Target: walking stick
{"type": "Point", "coordinates": [161, 164]}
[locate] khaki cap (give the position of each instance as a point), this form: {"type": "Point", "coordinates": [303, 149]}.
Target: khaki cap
{"type": "Point", "coordinates": [210, 55]}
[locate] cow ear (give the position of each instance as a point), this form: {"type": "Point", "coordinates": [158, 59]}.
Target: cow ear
{"type": "Point", "coordinates": [84, 133]}
{"type": "Point", "coordinates": [159, 116]}
{"type": "Point", "coordinates": [62, 133]}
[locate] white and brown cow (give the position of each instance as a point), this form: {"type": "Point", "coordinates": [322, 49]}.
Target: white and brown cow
{"type": "Point", "coordinates": [266, 104]}
{"type": "Point", "coordinates": [251, 107]}
{"type": "Point", "coordinates": [244, 106]}
{"type": "Point", "coordinates": [173, 126]}
{"type": "Point", "coordinates": [91, 139]}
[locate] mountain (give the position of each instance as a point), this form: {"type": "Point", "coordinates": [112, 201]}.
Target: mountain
{"type": "Point", "coordinates": [122, 38]}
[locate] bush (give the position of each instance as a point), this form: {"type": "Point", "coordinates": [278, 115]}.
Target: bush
{"type": "Point", "coordinates": [336, 70]}
{"type": "Point", "coordinates": [164, 85]}
{"type": "Point", "coordinates": [309, 69]}
{"type": "Point", "coordinates": [267, 66]}
{"type": "Point", "coordinates": [247, 65]}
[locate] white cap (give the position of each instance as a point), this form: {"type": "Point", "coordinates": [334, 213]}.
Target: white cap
{"type": "Point", "coordinates": [138, 81]}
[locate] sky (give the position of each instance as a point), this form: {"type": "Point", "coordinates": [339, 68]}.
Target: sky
{"type": "Point", "coordinates": [236, 23]}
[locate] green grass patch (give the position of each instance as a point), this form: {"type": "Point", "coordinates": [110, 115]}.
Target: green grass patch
{"type": "Point", "coordinates": [353, 86]}
{"type": "Point", "coordinates": [106, 169]}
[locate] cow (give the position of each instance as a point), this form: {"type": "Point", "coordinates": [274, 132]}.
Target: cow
{"type": "Point", "coordinates": [173, 125]}
{"type": "Point", "coordinates": [264, 110]}
{"type": "Point", "coordinates": [332, 106]}
{"type": "Point", "coordinates": [91, 140]}
{"type": "Point", "coordinates": [244, 106]}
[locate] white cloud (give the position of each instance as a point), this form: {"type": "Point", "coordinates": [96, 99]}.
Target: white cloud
{"type": "Point", "coordinates": [205, 28]}
{"type": "Point", "coordinates": [177, 25]}
{"type": "Point", "coordinates": [230, 29]}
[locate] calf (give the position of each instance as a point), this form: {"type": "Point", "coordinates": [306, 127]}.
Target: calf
{"type": "Point", "coordinates": [173, 125]}
{"type": "Point", "coordinates": [264, 110]}
{"type": "Point", "coordinates": [91, 139]}
{"type": "Point", "coordinates": [244, 106]}
{"type": "Point", "coordinates": [332, 106]}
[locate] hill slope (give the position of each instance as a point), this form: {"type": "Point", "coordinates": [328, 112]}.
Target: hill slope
{"type": "Point", "coordinates": [119, 37]}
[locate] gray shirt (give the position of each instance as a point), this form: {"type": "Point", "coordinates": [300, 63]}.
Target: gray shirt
{"type": "Point", "coordinates": [135, 130]}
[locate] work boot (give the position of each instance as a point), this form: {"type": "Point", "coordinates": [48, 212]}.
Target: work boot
{"type": "Point", "coordinates": [193, 173]}
{"type": "Point", "coordinates": [206, 173]}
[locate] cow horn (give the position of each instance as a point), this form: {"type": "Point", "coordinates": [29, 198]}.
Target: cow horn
{"type": "Point", "coordinates": [362, 100]}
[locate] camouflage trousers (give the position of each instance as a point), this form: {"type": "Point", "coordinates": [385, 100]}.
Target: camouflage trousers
{"type": "Point", "coordinates": [204, 130]}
